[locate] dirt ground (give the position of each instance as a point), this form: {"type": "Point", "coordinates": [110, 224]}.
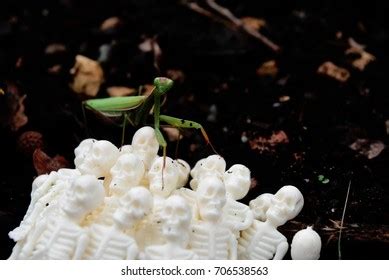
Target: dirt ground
{"type": "Point", "coordinates": [281, 113]}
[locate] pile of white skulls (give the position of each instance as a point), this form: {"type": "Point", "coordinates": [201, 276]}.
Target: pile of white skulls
{"type": "Point", "coordinates": [129, 203]}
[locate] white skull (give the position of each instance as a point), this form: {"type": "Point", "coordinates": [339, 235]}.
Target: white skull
{"type": "Point", "coordinates": [100, 159]}
{"type": "Point", "coordinates": [175, 217]}
{"type": "Point", "coordinates": [68, 175]}
{"type": "Point", "coordinates": [163, 183]}
{"type": "Point", "coordinates": [82, 151]}
{"type": "Point", "coordinates": [211, 198]}
{"type": "Point", "coordinates": [183, 172]}
{"type": "Point", "coordinates": [210, 166]}
{"type": "Point", "coordinates": [260, 205]}
{"type": "Point", "coordinates": [126, 149]}
{"type": "Point", "coordinates": [145, 145]}
{"type": "Point", "coordinates": [286, 204]}
{"type": "Point", "coordinates": [84, 195]}
{"type": "Point", "coordinates": [127, 172]}
{"type": "Point", "coordinates": [237, 181]}
{"type": "Point", "coordinates": [134, 205]}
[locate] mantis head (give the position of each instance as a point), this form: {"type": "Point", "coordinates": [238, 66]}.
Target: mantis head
{"type": "Point", "coordinates": [163, 84]}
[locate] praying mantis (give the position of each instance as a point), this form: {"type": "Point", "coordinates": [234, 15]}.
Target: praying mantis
{"type": "Point", "coordinates": [135, 109]}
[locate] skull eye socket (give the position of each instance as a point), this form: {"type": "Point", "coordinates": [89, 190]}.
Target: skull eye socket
{"type": "Point", "coordinates": [168, 211]}
{"type": "Point", "coordinates": [135, 203]}
{"type": "Point", "coordinates": [180, 211]}
{"type": "Point", "coordinates": [209, 192]}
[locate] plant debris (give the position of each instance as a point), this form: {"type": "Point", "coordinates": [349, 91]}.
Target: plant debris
{"type": "Point", "coordinates": [120, 91]}
{"type": "Point", "coordinates": [12, 113]}
{"type": "Point", "coordinates": [44, 164]}
{"type": "Point", "coordinates": [331, 70]}
{"type": "Point", "coordinates": [269, 144]}
{"type": "Point", "coordinates": [364, 57]}
{"type": "Point", "coordinates": [368, 148]}
{"type": "Point", "coordinates": [87, 76]}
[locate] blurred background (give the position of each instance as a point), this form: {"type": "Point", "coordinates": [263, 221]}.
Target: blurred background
{"type": "Point", "coordinates": [295, 90]}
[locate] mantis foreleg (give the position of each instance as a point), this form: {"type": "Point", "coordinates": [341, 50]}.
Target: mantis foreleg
{"type": "Point", "coordinates": [181, 123]}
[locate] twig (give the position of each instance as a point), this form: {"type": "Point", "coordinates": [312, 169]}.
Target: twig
{"type": "Point", "coordinates": [248, 29]}
{"type": "Point", "coordinates": [200, 10]}
{"type": "Point", "coordinates": [341, 223]}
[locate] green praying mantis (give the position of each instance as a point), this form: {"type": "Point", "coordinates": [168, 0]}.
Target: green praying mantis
{"type": "Point", "coordinates": [135, 109]}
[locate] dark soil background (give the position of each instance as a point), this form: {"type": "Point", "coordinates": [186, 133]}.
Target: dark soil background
{"type": "Point", "coordinates": [218, 86]}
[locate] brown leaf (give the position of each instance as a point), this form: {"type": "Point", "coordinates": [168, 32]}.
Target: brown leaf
{"type": "Point", "coordinates": [268, 68]}
{"type": "Point", "coordinates": [269, 144]}
{"type": "Point", "coordinates": [120, 91]}
{"type": "Point", "coordinates": [44, 164]}
{"type": "Point", "coordinates": [331, 70]}
{"type": "Point", "coordinates": [368, 148]}
{"type": "Point", "coordinates": [88, 76]}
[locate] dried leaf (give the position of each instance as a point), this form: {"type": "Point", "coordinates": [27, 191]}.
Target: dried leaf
{"type": "Point", "coordinates": [120, 91]}
{"type": "Point", "coordinates": [254, 23]}
{"type": "Point", "coordinates": [88, 76]}
{"type": "Point", "coordinates": [29, 141]}
{"type": "Point", "coordinates": [110, 23]}
{"type": "Point", "coordinates": [368, 148]}
{"type": "Point", "coordinates": [44, 164]}
{"type": "Point", "coordinates": [269, 144]}
{"type": "Point", "coordinates": [338, 73]}
{"type": "Point", "coordinates": [364, 57]}
{"type": "Point", "coordinates": [268, 68]}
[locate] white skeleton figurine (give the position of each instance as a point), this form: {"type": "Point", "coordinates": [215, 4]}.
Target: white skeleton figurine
{"type": "Point", "coordinates": [236, 215]}
{"type": "Point", "coordinates": [61, 237]}
{"type": "Point", "coordinates": [210, 238]}
{"type": "Point", "coordinates": [262, 241]}
{"type": "Point", "coordinates": [145, 145]}
{"type": "Point", "coordinates": [47, 190]}
{"type": "Point", "coordinates": [127, 173]}
{"type": "Point", "coordinates": [175, 217]}
{"type": "Point", "coordinates": [111, 242]}
{"type": "Point", "coordinates": [95, 157]}
{"type": "Point", "coordinates": [213, 165]}
{"type": "Point", "coordinates": [162, 183]}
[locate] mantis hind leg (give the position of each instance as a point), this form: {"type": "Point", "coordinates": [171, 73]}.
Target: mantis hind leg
{"type": "Point", "coordinates": [181, 123]}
